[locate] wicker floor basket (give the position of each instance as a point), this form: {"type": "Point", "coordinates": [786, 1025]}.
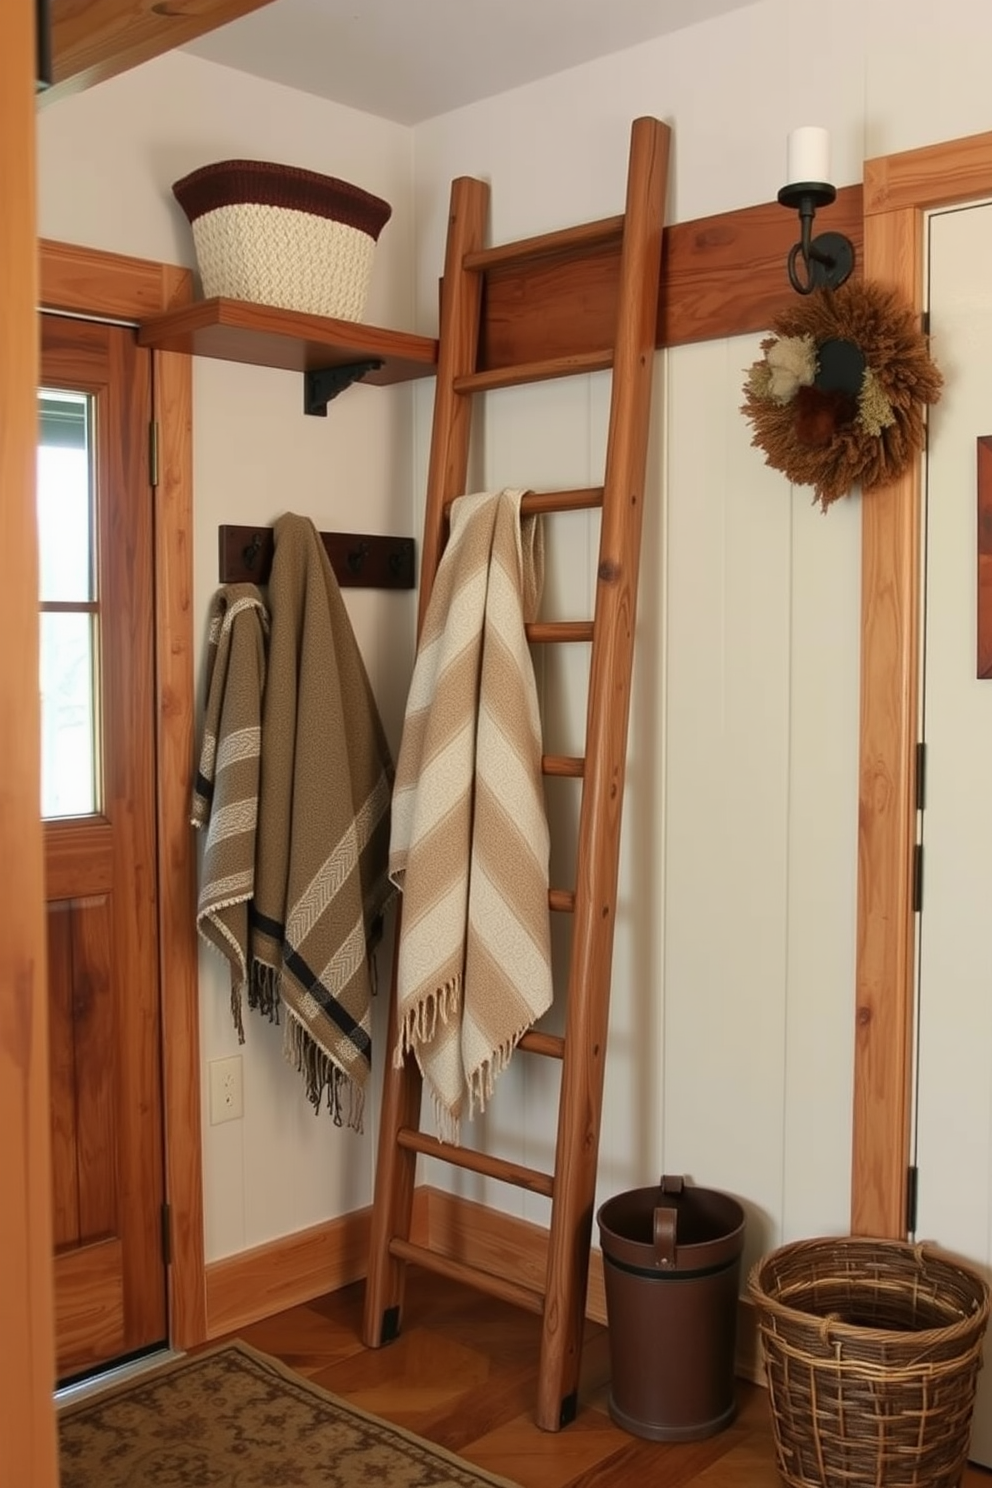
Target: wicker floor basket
{"type": "Point", "coordinates": [872, 1350]}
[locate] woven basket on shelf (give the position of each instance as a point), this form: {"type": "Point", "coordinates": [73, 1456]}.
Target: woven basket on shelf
{"type": "Point", "coordinates": [278, 235]}
{"type": "Point", "coordinates": [872, 1350]}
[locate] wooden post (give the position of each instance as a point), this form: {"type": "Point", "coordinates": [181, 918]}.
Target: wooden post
{"type": "Point", "coordinates": [27, 1418]}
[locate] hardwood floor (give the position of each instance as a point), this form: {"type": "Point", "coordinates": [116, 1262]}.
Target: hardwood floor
{"type": "Point", "coordinates": [463, 1374]}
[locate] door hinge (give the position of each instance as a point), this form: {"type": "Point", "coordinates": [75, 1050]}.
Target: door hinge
{"type": "Point", "coordinates": [912, 1194]}
{"type": "Point", "coordinates": [166, 1235]}
{"type": "Point", "coordinates": [925, 322]}
{"type": "Point", "coordinates": [918, 878]}
{"type": "Point", "coordinates": [153, 453]}
{"type": "Point", "coordinates": [921, 776]}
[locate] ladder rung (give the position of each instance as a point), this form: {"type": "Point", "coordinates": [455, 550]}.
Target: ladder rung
{"type": "Point", "coordinates": [552, 1045]}
{"type": "Point", "coordinates": [476, 1162]}
{"type": "Point", "coordinates": [525, 250]}
{"type": "Point", "coordinates": [571, 765]}
{"type": "Point", "coordinates": [534, 503]}
{"type": "Point", "coordinates": [552, 631]}
{"type": "Point", "coordinates": [483, 1281]}
{"type": "Point", "coordinates": [582, 499]}
{"type": "Point", "coordinates": [566, 366]}
{"type": "Point", "coordinates": [561, 901]}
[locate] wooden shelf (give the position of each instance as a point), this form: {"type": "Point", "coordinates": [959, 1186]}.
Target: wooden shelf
{"type": "Point", "coordinates": [236, 331]}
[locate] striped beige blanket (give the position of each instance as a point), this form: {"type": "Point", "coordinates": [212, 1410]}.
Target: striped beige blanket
{"type": "Point", "coordinates": [470, 845]}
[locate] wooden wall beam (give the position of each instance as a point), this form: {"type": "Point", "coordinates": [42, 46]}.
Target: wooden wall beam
{"type": "Point", "coordinates": [720, 276]}
{"type": "Point", "coordinates": [95, 39]}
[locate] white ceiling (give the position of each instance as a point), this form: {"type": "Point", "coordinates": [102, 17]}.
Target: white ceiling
{"type": "Point", "coordinates": [409, 60]}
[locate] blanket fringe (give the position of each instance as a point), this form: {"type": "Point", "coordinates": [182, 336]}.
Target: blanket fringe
{"type": "Point", "coordinates": [263, 990]}
{"type": "Point", "coordinates": [482, 1081]}
{"type": "Point", "coordinates": [345, 1099]}
{"type": "Point", "coordinates": [237, 985]}
{"type": "Point", "coordinates": [420, 1021]}
{"type": "Point", "coordinates": [447, 1124]}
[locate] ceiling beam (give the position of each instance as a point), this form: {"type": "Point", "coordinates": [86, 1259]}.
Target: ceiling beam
{"type": "Point", "coordinates": [94, 39]}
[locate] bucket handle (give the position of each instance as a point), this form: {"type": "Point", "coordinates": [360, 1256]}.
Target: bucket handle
{"type": "Point", "coordinates": [666, 1222]}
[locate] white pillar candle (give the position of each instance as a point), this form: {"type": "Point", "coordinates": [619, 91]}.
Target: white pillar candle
{"type": "Point", "coordinates": [808, 155]}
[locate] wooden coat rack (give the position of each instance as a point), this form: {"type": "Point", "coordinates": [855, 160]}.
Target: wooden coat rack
{"type": "Point", "coordinates": [359, 561]}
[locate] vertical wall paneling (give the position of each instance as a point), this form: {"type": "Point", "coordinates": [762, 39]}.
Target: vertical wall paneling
{"type": "Point", "coordinates": [726, 793]}
{"type": "Point", "coordinates": [27, 1371]}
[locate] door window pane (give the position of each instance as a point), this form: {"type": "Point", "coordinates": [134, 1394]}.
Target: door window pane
{"type": "Point", "coordinates": [69, 610]}
{"type": "Point", "coordinates": [65, 503]}
{"type": "Point", "coordinates": [68, 774]}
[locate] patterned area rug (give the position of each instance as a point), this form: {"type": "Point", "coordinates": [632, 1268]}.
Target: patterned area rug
{"type": "Point", "coordinates": [234, 1418]}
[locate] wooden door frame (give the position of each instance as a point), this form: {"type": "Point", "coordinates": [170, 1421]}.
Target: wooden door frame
{"type": "Point", "coordinates": [27, 1364]}
{"type": "Point", "coordinates": [898, 191]}
{"type": "Point", "coordinates": [77, 280]}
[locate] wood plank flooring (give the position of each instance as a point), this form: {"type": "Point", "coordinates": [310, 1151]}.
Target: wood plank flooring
{"type": "Point", "coordinates": [463, 1374]}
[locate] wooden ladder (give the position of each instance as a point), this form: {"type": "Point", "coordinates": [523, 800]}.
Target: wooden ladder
{"type": "Point", "coordinates": [632, 243]}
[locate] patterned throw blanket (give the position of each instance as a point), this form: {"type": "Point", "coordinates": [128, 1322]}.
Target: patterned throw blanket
{"type": "Point", "coordinates": [320, 851]}
{"type": "Point", "coordinates": [225, 798]}
{"type": "Point", "coordinates": [470, 844]}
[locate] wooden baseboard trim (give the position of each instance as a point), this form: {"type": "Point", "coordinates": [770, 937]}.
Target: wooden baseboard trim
{"type": "Point", "coordinates": [267, 1279]}
{"type": "Point", "coordinates": [255, 1284]}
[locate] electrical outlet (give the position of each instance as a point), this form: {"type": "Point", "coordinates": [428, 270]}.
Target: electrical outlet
{"type": "Point", "coordinates": [226, 1090]}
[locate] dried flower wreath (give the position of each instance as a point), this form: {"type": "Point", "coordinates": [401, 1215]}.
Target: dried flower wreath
{"type": "Point", "coordinates": [838, 397]}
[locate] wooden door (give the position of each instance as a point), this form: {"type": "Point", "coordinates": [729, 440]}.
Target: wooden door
{"type": "Point", "coordinates": [98, 803]}
{"type": "Point", "coordinates": [954, 1103]}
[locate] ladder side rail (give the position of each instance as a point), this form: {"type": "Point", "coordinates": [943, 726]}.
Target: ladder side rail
{"type": "Point", "coordinates": [611, 664]}
{"type": "Point", "coordinates": [461, 310]}
{"type": "Point", "coordinates": [396, 1167]}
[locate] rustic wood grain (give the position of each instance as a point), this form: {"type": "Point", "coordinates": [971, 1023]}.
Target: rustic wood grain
{"type": "Point", "coordinates": [97, 1056]}
{"type": "Point", "coordinates": [934, 176]}
{"type": "Point", "coordinates": [96, 39]}
{"type": "Point", "coordinates": [78, 858]}
{"type": "Point", "coordinates": [176, 863]}
{"type": "Point", "coordinates": [27, 1424]}
{"type": "Point", "coordinates": [263, 336]}
{"type": "Point", "coordinates": [111, 284]}
{"type": "Point", "coordinates": [89, 1306]}
{"type": "Point", "coordinates": [62, 1068]}
{"type": "Point", "coordinates": [890, 556]}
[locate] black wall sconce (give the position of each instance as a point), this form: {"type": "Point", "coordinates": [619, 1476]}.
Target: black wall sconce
{"type": "Point", "coordinates": [43, 35]}
{"type": "Point", "coordinates": [828, 259]}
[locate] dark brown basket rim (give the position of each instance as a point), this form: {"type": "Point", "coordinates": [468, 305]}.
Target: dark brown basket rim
{"type": "Point", "coordinates": [228, 183]}
{"type": "Point", "coordinates": [832, 1326]}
